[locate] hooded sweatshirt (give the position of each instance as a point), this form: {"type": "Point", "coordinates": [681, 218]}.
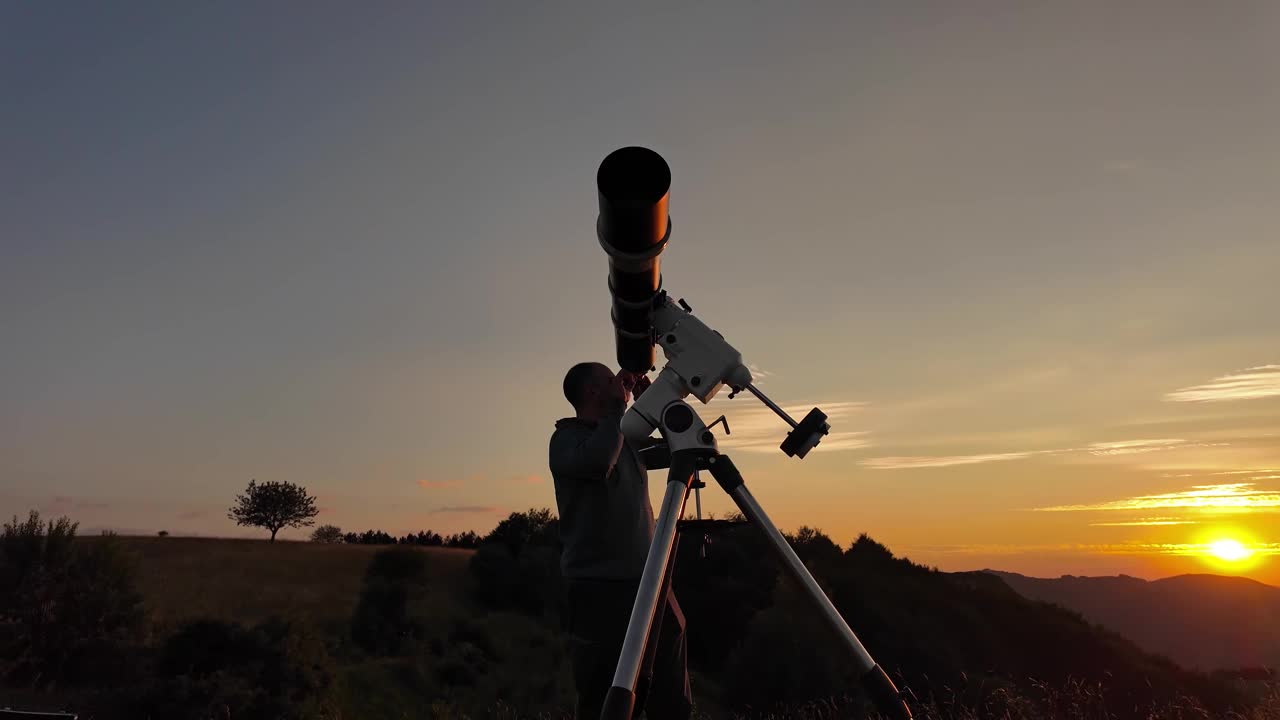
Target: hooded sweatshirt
{"type": "Point", "coordinates": [602, 493]}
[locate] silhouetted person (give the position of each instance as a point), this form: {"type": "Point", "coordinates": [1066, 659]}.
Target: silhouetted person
{"type": "Point", "coordinates": [606, 526]}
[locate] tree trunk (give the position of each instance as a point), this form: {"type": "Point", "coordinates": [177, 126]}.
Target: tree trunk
{"type": "Point", "coordinates": [273, 533]}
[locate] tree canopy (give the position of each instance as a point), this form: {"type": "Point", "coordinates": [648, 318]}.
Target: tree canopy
{"type": "Point", "coordinates": [274, 505]}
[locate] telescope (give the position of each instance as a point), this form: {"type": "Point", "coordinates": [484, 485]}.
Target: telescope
{"type": "Point", "coordinates": [634, 228]}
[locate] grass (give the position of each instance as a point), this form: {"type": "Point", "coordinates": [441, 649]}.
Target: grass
{"type": "Point", "coordinates": [470, 659]}
{"type": "Point", "coordinates": [249, 580]}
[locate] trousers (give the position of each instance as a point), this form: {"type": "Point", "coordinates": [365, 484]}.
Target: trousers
{"type": "Point", "coordinates": [596, 617]}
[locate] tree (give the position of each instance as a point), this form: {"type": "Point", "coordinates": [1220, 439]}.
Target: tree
{"type": "Point", "coordinates": [327, 534]}
{"type": "Point", "coordinates": [274, 505]}
{"type": "Point", "coordinates": [533, 527]}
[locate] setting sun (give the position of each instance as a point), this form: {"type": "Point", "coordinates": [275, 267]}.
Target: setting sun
{"type": "Point", "coordinates": [1229, 550]}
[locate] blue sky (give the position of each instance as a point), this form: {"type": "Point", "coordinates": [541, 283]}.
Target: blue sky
{"type": "Point", "coordinates": [353, 248]}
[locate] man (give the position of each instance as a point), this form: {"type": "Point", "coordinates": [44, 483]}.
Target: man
{"type": "Point", "coordinates": [606, 526]}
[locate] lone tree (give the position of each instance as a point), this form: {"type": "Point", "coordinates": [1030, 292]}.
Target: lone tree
{"type": "Point", "coordinates": [274, 505]}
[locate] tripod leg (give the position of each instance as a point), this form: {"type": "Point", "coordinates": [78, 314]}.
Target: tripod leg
{"type": "Point", "coordinates": [645, 681]}
{"type": "Point", "coordinates": [874, 680]}
{"type": "Point", "coordinates": [620, 702]}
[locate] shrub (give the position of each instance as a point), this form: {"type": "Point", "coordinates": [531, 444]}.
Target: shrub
{"type": "Point", "coordinates": [496, 574]}
{"type": "Point", "coordinates": [163, 533]}
{"type": "Point", "coordinates": [383, 621]}
{"type": "Point", "coordinates": [68, 607]}
{"type": "Point", "coordinates": [327, 534]}
{"type": "Point", "coordinates": [212, 669]}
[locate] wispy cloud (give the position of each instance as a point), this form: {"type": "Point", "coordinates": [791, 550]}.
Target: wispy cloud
{"type": "Point", "coordinates": [1132, 447]}
{"type": "Point", "coordinates": [1195, 549]}
{"type": "Point", "coordinates": [1144, 522]}
{"type": "Point", "coordinates": [757, 429]}
{"type": "Point", "coordinates": [434, 484]}
{"type": "Point", "coordinates": [758, 373]}
{"type": "Point", "coordinates": [468, 509]}
{"type": "Point", "coordinates": [1228, 496]}
{"type": "Point", "coordinates": [62, 503]}
{"type": "Point", "coordinates": [1102, 449]}
{"type": "Point", "coordinates": [905, 463]}
{"type": "Point", "coordinates": [1256, 382]}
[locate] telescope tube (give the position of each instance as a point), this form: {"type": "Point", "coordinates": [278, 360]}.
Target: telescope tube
{"type": "Point", "coordinates": [634, 184]}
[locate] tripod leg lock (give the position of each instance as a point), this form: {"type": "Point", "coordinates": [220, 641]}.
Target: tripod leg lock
{"type": "Point", "coordinates": [725, 473]}
{"type": "Point", "coordinates": [884, 694]}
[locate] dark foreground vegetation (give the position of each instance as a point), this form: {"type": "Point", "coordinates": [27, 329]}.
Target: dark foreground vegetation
{"type": "Point", "coordinates": [193, 628]}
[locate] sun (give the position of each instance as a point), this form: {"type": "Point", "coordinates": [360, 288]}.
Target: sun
{"type": "Point", "coordinates": [1228, 550]}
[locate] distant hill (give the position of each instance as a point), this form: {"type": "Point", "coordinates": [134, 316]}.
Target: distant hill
{"type": "Point", "coordinates": [1200, 621]}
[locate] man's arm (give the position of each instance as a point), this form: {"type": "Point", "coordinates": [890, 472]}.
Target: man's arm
{"type": "Point", "coordinates": [656, 456]}
{"type": "Point", "coordinates": [588, 457]}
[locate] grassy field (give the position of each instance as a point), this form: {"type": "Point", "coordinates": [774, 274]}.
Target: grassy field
{"type": "Point", "coordinates": [250, 580]}
{"type": "Point", "coordinates": [508, 659]}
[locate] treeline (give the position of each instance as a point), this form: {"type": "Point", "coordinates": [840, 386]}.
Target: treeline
{"type": "Point", "coordinates": [427, 538]}
{"type": "Point", "coordinates": [468, 539]}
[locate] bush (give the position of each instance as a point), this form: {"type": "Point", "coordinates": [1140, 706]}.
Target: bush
{"type": "Point", "coordinates": [786, 658]}
{"type": "Point", "coordinates": [383, 621]}
{"type": "Point", "coordinates": [533, 527]}
{"type": "Point", "coordinates": [68, 608]}
{"type": "Point", "coordinates": [163, 533]}
{"type": "Point", "coordinates": [496, 573]}
{"type": "Point", "coordinates": [211, 669]}
{"type": "Point", "coordinates": [327, 534]}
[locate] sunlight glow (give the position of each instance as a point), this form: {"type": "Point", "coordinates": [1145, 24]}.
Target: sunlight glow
{"type": "Point", "coordinates": [1229, 550]}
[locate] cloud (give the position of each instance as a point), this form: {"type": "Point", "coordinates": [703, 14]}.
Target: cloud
{"type": "Point", "coordinates": [433, 484]}
{"type": "Point", "coordinates": [1105, 449]}
{"type": "Point", "coordinates": [1197, 549]}
{"type": "Point", "coordinates": [467, 509]}
{"type": "Point", "coordinates": [1256, 382]}
{"type": "Point", "coordinates": [62, 503]}
{"type": "Point", "coordinates": [906, 463]}
{"type": "Point", "coordinates": [1144, 522]}
{"type": "Point", "coordinates": [757, 429]}
{"type": "Point", "coordinates": [758, 374]}
{"type": "Point", "coordinates": [1227, 496]}
{"type": "Point", "coordinates": [1131, 447]}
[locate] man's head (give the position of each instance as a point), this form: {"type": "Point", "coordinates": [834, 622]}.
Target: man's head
{"type": "Point", "coordinates": [595, 391]}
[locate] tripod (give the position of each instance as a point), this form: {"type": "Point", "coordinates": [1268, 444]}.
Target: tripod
{"type": "Point", "coordinates": [700, 362]}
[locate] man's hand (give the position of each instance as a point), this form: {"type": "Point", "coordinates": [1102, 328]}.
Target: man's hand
{"type": "Point", "coordinates": [642, 384]}
{"type": "Point", "coordinates": [635, 383]}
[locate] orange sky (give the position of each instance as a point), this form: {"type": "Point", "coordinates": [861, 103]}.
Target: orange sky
{"type": "Point", "coordinates": [1023, 254]}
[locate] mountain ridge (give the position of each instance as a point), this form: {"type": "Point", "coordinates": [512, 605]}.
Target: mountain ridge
{"type": "Point", "coordinates": [1199, 620]}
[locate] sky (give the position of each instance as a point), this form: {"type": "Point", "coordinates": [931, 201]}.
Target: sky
{"type": "Point", "coordinates": [1024, 255]}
